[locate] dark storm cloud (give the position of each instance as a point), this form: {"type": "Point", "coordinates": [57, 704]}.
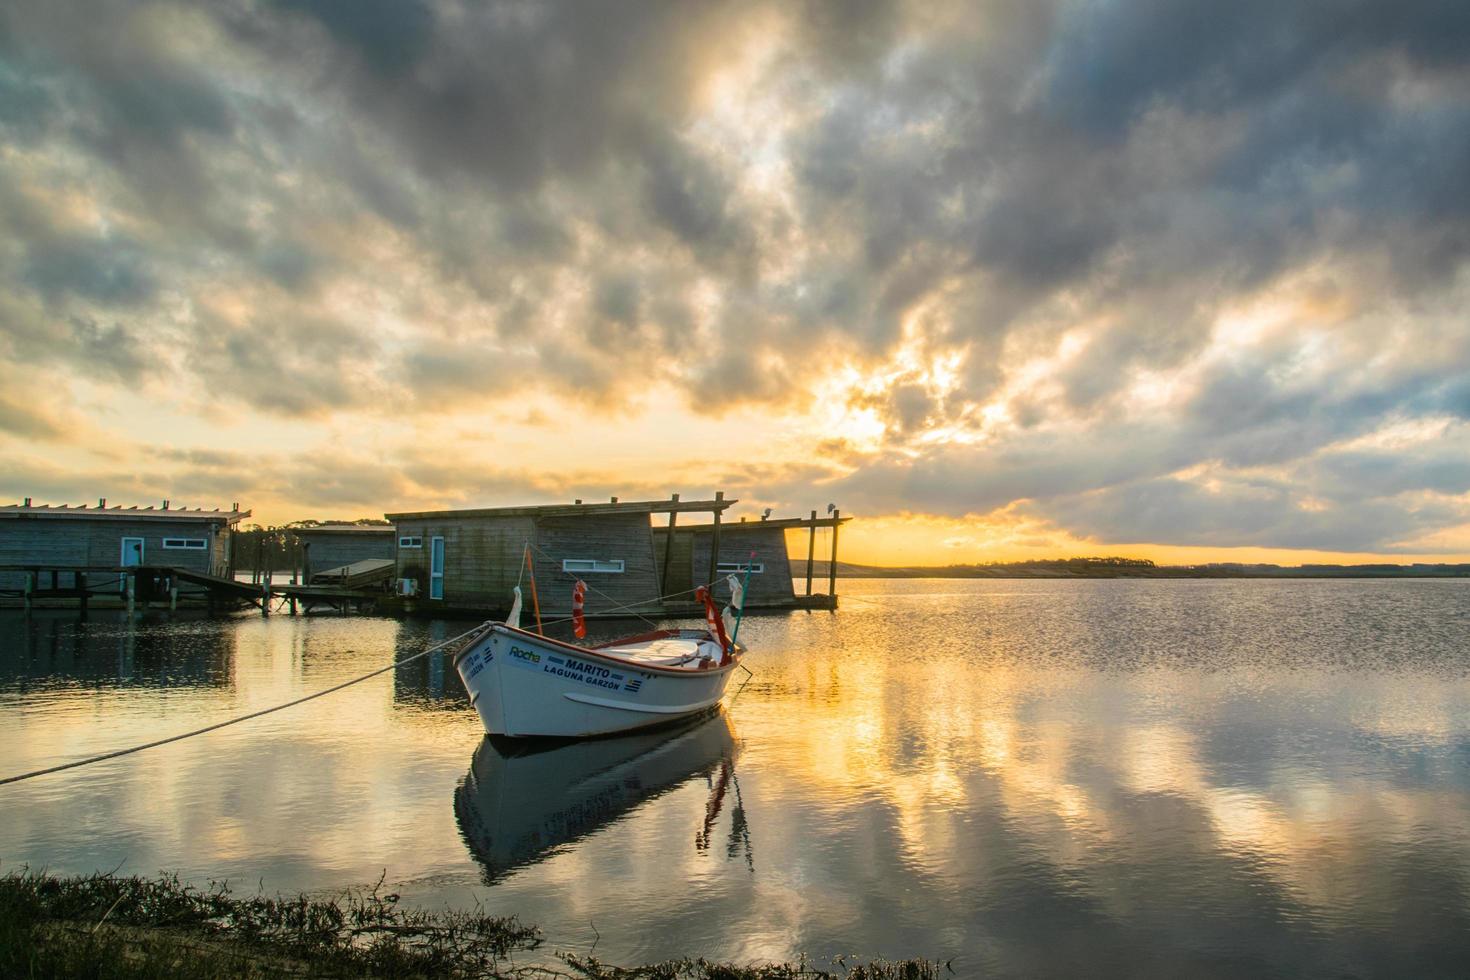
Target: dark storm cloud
{"type": "Point", "coordinates": [110, 272]}
{"type": "Point", "coordinates": [510, 92]}
{"type": "Point", "coordinates": [1109, 61]}
{"type": "Point", "coordinates": [25, 105]}
{"type": "Point", "coordinates": [312, 207]}
{"type": "Point", "coordinates": [1188, 144]}
{"type": "Point", "coordinates": [1351, 475]}
{"type": "Point", "coordinates": [109, 349]}
{"type": "Point", "coordinates": [286, 366]}
{"type": "Point", "coordinates": [390, 35]}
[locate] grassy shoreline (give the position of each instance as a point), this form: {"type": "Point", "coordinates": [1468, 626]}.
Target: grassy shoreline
{"type": "Point", "coordinates": [127, 928]}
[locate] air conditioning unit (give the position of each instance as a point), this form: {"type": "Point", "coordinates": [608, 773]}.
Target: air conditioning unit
{"type": "Point", "coordinates": [408, 587]}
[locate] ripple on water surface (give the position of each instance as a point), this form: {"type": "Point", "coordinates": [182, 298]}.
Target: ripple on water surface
{"type": "Point", "coordinates": [1113, 778]}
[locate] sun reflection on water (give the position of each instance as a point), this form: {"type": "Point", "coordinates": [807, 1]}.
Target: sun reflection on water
{"type": "Point", "coordinates": [1035, 777]}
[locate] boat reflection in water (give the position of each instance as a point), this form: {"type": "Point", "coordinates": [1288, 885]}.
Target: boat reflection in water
{"type": "Point", "coordinates": [524, 799]}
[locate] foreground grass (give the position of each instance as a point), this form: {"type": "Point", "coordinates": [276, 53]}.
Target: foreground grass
{"type": "Point", "coordinates": [128, 928]}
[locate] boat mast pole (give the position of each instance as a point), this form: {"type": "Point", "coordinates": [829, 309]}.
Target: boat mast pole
{"type": "Point", "coordinates": [744, 596]}
{"type": "Point", "coordinates": [535, 602]}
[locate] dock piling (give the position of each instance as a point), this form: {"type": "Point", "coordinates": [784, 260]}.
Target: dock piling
{"type": "Point", "coordinates": [832, 566]}
{"type": "Point", "coordinates": [714, 545]}
{"type": "Point", "coordinates": [811, 550]}
{"type": "Point", "coordinates": [132, 590]}
{"type": "Point", "coordinates": [30, 588]}
{"type": "Point", "coordinates": [663, 585]}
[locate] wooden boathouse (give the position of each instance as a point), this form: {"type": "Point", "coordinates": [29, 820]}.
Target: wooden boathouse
{"type": "Point", "coordinates": [472, 559]}
{"type": "Point", "coordinates": [41, 545]}
{"type": "Point", "coordinates": [325, 547]}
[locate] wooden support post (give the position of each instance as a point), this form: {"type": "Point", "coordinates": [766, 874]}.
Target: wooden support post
{"type": "Point", "coordinates": [173, 595]}
{"type": "Point", "coordinates": [54, 586]}
{"type": "Point", "coordinates": [714, 544]}
{"type": "Point", "coordinates": [669, 551]}
{"type": "Point", "coordinates": [265, 589]}
{"type": "Point", "coordinates": [811, 551]}
{"type": "Point", "coordinates": [81, 582]}
{"type": "Point", "coordinates": [132, 589]}
{"type": "Point", "coordinates": [832, 567]}
{"type": "Point", "coordinates": [30, 588]}
{"type": "Point", "coordinates": [295, 552]}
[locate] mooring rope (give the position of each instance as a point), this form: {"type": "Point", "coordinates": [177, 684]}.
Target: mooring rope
{"type": "Point", "coordinates": [641, 603]}
{"type": "Point", "coordinates": [632, 607]}
{"type": "Point", "coordinates": [235, 721]}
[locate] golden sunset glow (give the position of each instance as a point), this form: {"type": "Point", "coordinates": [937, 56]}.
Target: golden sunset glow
{"type": "Point", "coordinates": [994, 297]}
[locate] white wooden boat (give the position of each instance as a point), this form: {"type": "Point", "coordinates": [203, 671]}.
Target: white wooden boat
{"type": "Point", "coordinates": [525, 799]}
{"type": "Point", "coordinates": [526, 684]}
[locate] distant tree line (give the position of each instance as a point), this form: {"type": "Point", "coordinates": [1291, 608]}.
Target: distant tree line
{"type": "Point", "coordinates": [1113, 567]}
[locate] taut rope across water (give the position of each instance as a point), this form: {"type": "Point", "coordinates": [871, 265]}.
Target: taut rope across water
{"type": "Point", "coordinates": [235, 721]}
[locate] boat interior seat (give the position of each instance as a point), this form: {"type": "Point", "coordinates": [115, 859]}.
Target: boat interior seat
{"type": "Point", "coordinates": [666, 651]}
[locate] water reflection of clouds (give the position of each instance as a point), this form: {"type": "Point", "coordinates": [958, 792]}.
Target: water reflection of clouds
{"type": "Point", "coordinates": [917, 775]}
{"type": "Point", "coordinates": [311, 794]}
{"type": "Point", "coordinates": [1109, 779]}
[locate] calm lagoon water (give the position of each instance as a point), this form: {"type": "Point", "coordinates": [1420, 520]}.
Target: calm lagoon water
{"type": "Point", "coordinates": [1113, 778]}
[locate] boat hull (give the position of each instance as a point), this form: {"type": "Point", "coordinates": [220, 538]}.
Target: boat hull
{"type": "Point", "coordinates": [525, 685]}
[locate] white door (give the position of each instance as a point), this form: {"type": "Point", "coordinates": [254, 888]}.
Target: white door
{"type": "Point", "coordinates": [132, 554]}
{"type": "Point", "coordinates": [436, 568]}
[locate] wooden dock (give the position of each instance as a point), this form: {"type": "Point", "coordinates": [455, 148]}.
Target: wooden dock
{"type": "Point", "coordinates": [335, 597]}
{"type": "Point", "coordinates": [125, 586]}
{"type": "Point", "coordinates": [133, 587]}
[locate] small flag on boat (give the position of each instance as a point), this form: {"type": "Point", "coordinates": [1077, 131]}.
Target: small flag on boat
{"type": "Point", "coordinates": [579, 621]}
{"type": "Point", "coordinates": [737, 592]}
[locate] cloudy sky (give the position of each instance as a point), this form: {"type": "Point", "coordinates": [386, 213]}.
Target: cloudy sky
{"type": "Point", "coordinates": [1180, 278]}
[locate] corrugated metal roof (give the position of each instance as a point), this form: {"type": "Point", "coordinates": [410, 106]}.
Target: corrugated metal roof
{"type": "Point", "coordinates": [149, 513]}
{"type": "Point", "coordinates": [571, 510]}
{"type": "Point", "coordinates": [776, 524]}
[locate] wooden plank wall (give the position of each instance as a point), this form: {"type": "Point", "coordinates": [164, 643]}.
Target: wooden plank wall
{"type": "Point", "coordinates": [28, 542]}
{"type": "Point", "coordinates": [331, 549]}
{"type": "Point", "coordinates": [75, 542]}
{"type": "Point", "coordinates": [681, 561]}
{"type": "Point", "coordinates": [603, 537]}
{"type": "Point", "coordinates": [772, 584]}
{"type": "Point", "coordinates": [482, 557]}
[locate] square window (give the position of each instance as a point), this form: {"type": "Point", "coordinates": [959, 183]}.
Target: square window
{"type": "Point", "coordinates": [738, 567]}
{"type": "Point", "coordinates": [598, 565]}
